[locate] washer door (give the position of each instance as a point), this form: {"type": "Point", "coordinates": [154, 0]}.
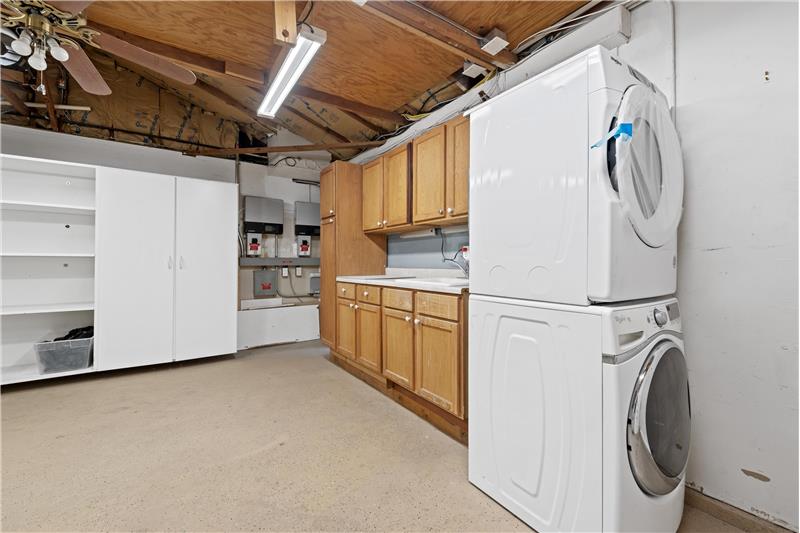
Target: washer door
{"type": "Point", "coordinates": [659, 420]}
{"type": "Point", "coordinates": [647, 168]}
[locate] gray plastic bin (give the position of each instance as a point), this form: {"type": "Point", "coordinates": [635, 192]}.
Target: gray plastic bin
{"type": "Point", "coordinates": [63, 356]}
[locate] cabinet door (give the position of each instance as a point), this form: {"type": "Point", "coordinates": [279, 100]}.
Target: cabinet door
{"type": "Point", "coordinates": [327, 282]}
{"type": "Point", "coordinates": [134, 268]}
{"type": "Point", "coordinates": [207, 259]}
{"type": "Point", "coordinates": [396, 187]}
{"type": "Point", "coordinates": [428, 177]}
{"type": "Point", "coordinates": [437, 362]}
{"type": "Point", "coordinates": [372, 195]}
{"type": "Point", "coordinates": [346, 328]}
{"type": "Point", "coordinates": [457, 167]}
{"type": "Point", "coordinates": [368, 351]}
{"type": "Point", "coordinates": [398, 347]}
{"type": "Point", "coordinates": [327, 192]}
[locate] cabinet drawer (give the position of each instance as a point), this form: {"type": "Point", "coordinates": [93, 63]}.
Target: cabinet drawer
{"type": "Point", "coordinates": [346, 290]}
{"type": "Point", "coordinates": [398, 299]}
{"type": "Point", "coordinates": [369, 294]}
{"type": "Point", "coordinates": [438, 305]}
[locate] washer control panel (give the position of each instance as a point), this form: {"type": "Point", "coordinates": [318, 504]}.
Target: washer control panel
{"type": "Point", "coordinates": [660, 316]}
{"type": "Point", "coordinates": [628, 326]}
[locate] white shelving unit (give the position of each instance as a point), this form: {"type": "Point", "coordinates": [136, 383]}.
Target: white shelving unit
{"type": "Point", "coordinates": [47, 248]}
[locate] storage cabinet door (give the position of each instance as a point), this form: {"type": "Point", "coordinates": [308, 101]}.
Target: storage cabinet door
{"type": "Point", "coordinates": [437, 362]}
{"type": "Point", "coordinates": [396, 187]}
{"type": "Point", "coordinates": [372, 195]}
{"type": "Point", "coordinates": [368, 351]}
{"type": "Point", "coordinates": [327, 282]}
{"type": "Point", "coordinates": [134, 268]}
{"type": "Point", "coordinates": [346, 328]}
{"type": "Point", "coordinates": [206, 278]}
{"type": "Point", "coordinates": [457, 168]}
{"type": "Point", "coordinates": [398, 347]}
{"type": "Point", "coordinates": [327, 192]}
{"type": "Point", "coordinates": [429, 175]}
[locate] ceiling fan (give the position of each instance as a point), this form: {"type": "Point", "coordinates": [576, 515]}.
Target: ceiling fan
{"type": "Point", "coordinates": [59, 28]}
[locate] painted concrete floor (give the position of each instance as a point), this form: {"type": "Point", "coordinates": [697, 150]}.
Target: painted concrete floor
{"type": "Point", "coordinates": [273, 439]}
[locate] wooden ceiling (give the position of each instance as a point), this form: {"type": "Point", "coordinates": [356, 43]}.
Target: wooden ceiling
{"type": "Point", "coordinates": [367, 61]}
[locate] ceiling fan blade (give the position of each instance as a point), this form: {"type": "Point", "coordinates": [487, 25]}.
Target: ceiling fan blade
{"type": "Point", "coordinates": [125, 50]}
{"type": "Point", "coordinates": [85, 73]}
{"type": "Point", "coordinates": [70, 6]}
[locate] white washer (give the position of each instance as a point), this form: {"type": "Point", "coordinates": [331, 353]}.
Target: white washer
{"type": "Point", "coordinates": [560, 211]}
{"type": "Point", "coordinates": [552, 390]}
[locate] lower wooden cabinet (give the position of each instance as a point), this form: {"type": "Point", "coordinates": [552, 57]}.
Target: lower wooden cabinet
{"type": "Point", "coordinates": [368, 333]}
{"type": "Point", "coordinates": [437, 362]}
{"type": "Point", "coordinates": [398, 347]}
{"type": "Point", "coordinates": [346, 328]}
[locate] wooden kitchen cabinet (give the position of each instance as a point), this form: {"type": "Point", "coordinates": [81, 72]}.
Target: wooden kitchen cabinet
{"type": "Point", "coordinates": [346, 328]}
{"type": "Point", "coordinates": [344, 248]}
{"type": "Point", "coordinates": [440, 178]}
{"type": "Point", "coordinates": [396, 188]}
{"type": "Point", "coordinates": [368, 332]}
{"type": "Point", "coordinates": [398, 347]}
{"type": "Point", "coordinates": [372, 195]}
{"type": "Point", "coordinates": [438, 362]}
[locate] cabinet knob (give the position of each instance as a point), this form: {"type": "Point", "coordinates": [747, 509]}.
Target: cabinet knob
{"type": "Point", "coordinates": [366, 293]}
{"type": "Point", "coordinates": [344, 290]}
{"type": "Point", "coordinates": [441, 211]}
{"type": "Point", "coordinates": [449, 210]}
{"type": "Point", "coordinates": [355, 307]}
{"type": "Point", "coordinates": [408, 319]}
{"type": "Point", "coordinates": [330, 211]}
{"type": "Point", "coordinates": [384, 222]}
{"type": "Point", "coordinates": [351, 306]}
{"type": "Point", "coordinates": [379, 223]}
{"type": "Point", "coordinates": [416, 321]}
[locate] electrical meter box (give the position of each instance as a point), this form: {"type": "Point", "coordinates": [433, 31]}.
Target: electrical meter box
{"type": "Point", "coordinates": [265, 283]}
{"type": "Point", "coordinates": [263, 215]}
{"type": "Point", "coordinates": [306, 218]}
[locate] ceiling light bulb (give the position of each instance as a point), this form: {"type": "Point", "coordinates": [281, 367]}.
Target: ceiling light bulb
{"type": "Point", "coordinates": [56, 50]}
{"type": "Point", "coordinates": [22, 44]}
{"type": "Point", "coordinates": [38, 60]}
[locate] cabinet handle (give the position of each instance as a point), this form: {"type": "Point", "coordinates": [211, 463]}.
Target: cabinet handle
{"type": "Point", "coordinates": [379, 223]}
{"type": "Point", "coordinates": [344, 290]}
{"type": "Point", "coordinates": [169, 263]}
{"type": "Point", "coordinates": [331, 211]}
{"type": "Point", "coordinates": [351, 306]}
{"type": "Point", "coordinates": [416, 321]}
{"type": "Point", "coordinates": [366, 293]}
{"type": "Point", "coordinates": [441, 211]}
{"type": "Point", "coordinates": [408, 319]}
{"type": "Point", "coordinates": [355, 307]}
{"type": "Point", "coordinates": [449, 210]}
{"type": "Point", "coordinates": [384, 222]}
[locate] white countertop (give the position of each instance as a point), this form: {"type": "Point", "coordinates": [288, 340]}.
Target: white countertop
{"type": "Point", "coordinates": [405, 282]}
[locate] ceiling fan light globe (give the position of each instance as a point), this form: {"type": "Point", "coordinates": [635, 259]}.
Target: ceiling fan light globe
{"type": "Point", "coordinates": [37, 60]}
{"type": "Point", "coordinates": [22, 45]}
{"type": "Point", "coordinates": [57, 51]}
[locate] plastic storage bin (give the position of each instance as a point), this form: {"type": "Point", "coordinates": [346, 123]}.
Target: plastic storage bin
{"type": "Point", "coordinates": [63, 356]}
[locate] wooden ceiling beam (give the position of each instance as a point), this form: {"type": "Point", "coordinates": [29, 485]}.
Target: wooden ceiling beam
{"type": "Point", "coordinates": [234, 103]}
{"type": "Point", "coordinates": [319, 125]}
{"type": "Point", "coordinates": [16, 102]}
{"type": "Point", "coordinates": [285, 149]}
{"type": "Point", "coordinates": [285, 22]}
{"type": "Point", "coordinates": [50, 99]}
{"type": "Point", "coordinates": [14, 76]}
{"type": "Point", "coordinates": [436, 30]}
{"type": "Point", "coordinates": [347, 105]}
{"type": "Point", "coordinates": [364, 122]}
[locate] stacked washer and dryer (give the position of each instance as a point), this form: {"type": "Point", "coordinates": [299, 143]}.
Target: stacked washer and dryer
{"type": "Point", "coordinates": [578, 388]}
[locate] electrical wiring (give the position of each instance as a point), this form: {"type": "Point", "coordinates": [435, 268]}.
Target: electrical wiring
{"type": "Point", "coordinates": [291, 161]}
{"type": "Point", "coordinates": [433, 94]}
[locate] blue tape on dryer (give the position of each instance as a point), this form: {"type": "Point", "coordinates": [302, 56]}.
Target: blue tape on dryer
{"type": "Point", "coordinates": [623, 132]}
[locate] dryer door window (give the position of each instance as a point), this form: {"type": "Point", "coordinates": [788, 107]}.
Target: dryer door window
{"type": "Point", "coordinates": [659, 420]}
{"type": "Point", "coordinates": [647, 167]}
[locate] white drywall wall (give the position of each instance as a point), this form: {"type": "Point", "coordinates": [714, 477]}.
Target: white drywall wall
{"type": "Point", "coordinates": [737, 273]}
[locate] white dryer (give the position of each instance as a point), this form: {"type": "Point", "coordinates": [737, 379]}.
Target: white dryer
{"type": "Point", "coordinates": [580, 415]}
{"type": "Point", "coordinates": [576, 187]}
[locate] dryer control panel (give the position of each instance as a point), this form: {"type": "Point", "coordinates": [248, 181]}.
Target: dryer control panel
{"type": "Point", "coordinates": [625, 327]}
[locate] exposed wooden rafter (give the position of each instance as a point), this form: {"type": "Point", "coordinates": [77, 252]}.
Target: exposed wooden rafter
{"type": "Point", "coordinates": [16, 102]}
{"type": "Point", "coordinates": [413, 18]}
{"type": "Point", "coordinates": [347, 105]}
{"type": "Point", "coordinates": [316, 124]}
{"type": "Point", "coordinates": [50, 99]}
{"type": "Point", "coordinates": [282, 149]}
{"type": "Point", "coordinates": [285, 22]}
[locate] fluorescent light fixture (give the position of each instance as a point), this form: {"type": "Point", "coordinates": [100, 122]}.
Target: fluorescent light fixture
{"type": "Point", "coordinates": [309, 41]}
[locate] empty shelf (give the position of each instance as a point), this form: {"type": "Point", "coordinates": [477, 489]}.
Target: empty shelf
{"type": "Point", "coordinates": [49, 208]}
{"type": "Point", "coordinates": [23, 373]}
{"type": "Point", "coordinates": [46, 308]}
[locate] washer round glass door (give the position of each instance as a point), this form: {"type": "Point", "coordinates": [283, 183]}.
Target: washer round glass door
{"type": "Point", "coordinates": [648, 167]}
{"type": "Point", "coordinates": [659, 420]}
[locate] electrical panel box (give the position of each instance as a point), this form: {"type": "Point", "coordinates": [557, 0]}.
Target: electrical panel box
{"type": "Point", "coordinates": [265, 283]}
{"type": "Point", "coordinates": [306, 218]}
{"type": "Point", "coordinates": [263, 215]}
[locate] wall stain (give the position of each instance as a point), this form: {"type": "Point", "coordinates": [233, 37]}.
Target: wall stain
{"type": "Point", "coordinates": [715, 249]}
{"type": "Point", "coordinates": [756, 475]}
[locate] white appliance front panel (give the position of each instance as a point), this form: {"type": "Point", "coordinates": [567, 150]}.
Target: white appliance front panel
{"type": "Point", "coordinates": [206, 277]}
{"type": "Point", "coordinates": [528, 190]}
{"type": "Point", "coordinates": [134, 268]}
{"type": "Point", "coordinates": [535, 407]}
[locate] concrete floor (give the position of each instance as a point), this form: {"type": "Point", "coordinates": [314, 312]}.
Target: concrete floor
{"type": "Point", "coordinates": [274, 439]}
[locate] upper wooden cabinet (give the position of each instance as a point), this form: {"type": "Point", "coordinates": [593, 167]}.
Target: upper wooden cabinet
{"type": "Point", "coordinates": [385, 191]}
{"type": "Point", "coordinates": [440, 180]}
{"type": "Point", "coordinates": [327, 192]}
{"type": "Point", "coordinates": [428, 176]}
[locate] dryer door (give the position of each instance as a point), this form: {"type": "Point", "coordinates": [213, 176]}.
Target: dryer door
{"type": "Point", "coordinates": [647, 168]}
{"type": "Point", "coordinates": [659, 420]}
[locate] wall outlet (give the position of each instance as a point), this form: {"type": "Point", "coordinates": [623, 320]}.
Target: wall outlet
{"type": "Point", "coordinates": [298, 272]}
{"type": "Point", "coordinates": [284, 272]}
